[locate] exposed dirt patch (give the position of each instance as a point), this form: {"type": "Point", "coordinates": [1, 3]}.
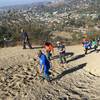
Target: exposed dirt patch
{"type": "Point", "coordinates": [76, 80]}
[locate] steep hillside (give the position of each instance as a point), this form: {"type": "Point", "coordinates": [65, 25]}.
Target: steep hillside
{"type": "Point", "coordinates": [79, 79]}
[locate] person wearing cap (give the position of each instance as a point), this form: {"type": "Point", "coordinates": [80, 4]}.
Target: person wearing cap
{"type": "Point", "coordinates": [44, 65]}
{"type": "Point", "coordinates": [61, 50]}
{"type": "Point", "coordinates": [25, 39]}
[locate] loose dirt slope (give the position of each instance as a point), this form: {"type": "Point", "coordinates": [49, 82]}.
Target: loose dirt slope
{"type": "Point", "coordinates": [76, 80]}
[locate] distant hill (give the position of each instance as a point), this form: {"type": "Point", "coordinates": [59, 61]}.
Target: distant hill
{"type": "Point", "coordinates": [68, 4]}
{"type": "Point", "coordinates": [74, 4]}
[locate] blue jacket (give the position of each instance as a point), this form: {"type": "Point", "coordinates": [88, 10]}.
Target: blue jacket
{"type": "Point", "coordinates": [44, 61]}
{"type": "Point", "coordinates": [86, 44]}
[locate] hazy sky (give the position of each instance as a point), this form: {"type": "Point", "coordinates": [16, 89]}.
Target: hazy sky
{"type": "Point", "coordinates": [15, 2]}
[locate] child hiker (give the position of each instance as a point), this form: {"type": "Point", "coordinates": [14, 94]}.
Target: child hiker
{"type": "Point", "coordinates": [61, 50]}
{"type": "Point", "coordinates": [85, 45]}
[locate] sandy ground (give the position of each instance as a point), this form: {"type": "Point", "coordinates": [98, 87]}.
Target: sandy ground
{"type": "Point", "coordinates": [79, 79]}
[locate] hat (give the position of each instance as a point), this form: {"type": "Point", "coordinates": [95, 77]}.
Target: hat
{"type": "Point", "coordinates": [58, 42]}
{"type": "Point", "coordinates": [22, 30]}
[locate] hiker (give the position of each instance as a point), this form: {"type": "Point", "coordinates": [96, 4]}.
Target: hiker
{"type": "Point", "coordinates": [98, 41]}
{"type": "Point", "coordinates": [90, 44]}
{"type": "Point", "coordinates": [5, 42]}
{"type": "Point", "coordinates": [85, 45]}
{"type": "Point", "coordinates": [25, 39]}
{"type": "Point", "coordinates": [44, 65]}
{"type": "Point", "coordinates": [49, 49]}
{"type": "Point", "coordinates": [61, 50]}
{"type": "Point", "coordinates": [94, 44]}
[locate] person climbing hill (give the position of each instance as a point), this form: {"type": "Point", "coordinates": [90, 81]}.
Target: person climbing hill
{"type": "Point", "coordinates": [85, 45]}
{"type": "Point", "coordinates": [44, 65]}
{"type": "Point", "coordinates": [94, 44]}
{"type": "Point", "coordinates": [61, 50]}
{"type": "Point", "coordinates": [25, 39]}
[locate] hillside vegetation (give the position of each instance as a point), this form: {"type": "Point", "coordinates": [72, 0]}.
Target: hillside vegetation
{"type": "Point", "coordinates": [41, 21]}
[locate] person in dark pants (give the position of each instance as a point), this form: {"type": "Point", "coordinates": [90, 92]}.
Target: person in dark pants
{"type": "Point", "coordinates": [61, 50]}
{"type": "Point", "coordinates": [94, 44]}
{"type": "Point", "coordinates": [25, 39]}
{"type": "Point", "coordinates": [5, 42]}
{"type": "Point", "coordinates": [86, 45]}
{"type": "Point", "coordinates": [98, 41]}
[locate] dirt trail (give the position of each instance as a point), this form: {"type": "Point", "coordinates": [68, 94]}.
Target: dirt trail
{"type": "Point", "coordinates": [79, 79]}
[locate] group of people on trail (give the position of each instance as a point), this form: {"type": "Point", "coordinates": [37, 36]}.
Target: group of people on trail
{"type": "Point", "coordinates": [45, 58]}
{"type": "Point", "coordinates": [90, 44]}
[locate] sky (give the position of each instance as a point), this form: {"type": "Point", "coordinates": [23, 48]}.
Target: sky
{"type": "Point", "coordinates": [16, 2]}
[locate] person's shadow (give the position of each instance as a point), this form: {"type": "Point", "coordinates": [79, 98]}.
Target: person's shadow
{"type": "Point", "coordinates": [67, 54]}
{"type": "Point", "coordinates": [71, 70]}
{"type": "Point", "coordinates": [37, 47]}
{"type": "Point", "coordinates": [76, 57]}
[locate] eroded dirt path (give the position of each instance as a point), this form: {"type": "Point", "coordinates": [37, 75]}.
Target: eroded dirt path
{"type": "Point", "coordinates": [76, 80]}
